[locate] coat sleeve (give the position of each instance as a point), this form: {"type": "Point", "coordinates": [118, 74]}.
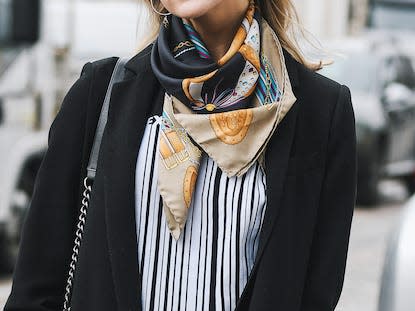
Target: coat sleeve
{"type": "Point", "coordinates": [48, 232]}
{"type": "Point", "coordinates": [326, 268]}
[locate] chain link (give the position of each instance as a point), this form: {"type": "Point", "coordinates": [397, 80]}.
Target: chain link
{"type": "Point", "coordinates": [268, 82]}
{"type": "Point", "coordinates": [77, 244]}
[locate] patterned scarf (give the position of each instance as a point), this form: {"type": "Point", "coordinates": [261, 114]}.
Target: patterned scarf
{"type": "Point", "coordinates": [228, 109]}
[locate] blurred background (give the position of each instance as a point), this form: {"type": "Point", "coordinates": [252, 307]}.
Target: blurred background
{"type": "Point", "coordinates": [44, 43]}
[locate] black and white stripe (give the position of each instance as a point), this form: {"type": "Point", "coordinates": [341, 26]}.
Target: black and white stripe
{"type": "Point", "coordinates": [208, 267]}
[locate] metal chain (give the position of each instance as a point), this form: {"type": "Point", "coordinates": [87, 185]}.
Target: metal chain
{"type": "Point", "coordinates": [77, 244]}
{"type": "Point", "coordinates": [268, 82]}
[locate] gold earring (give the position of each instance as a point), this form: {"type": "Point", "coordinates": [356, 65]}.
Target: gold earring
{"type": "Point", "coordinates": [159, 13]}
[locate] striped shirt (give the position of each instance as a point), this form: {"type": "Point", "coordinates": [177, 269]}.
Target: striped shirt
{"type": "Point", "coordinates": [208, 267]}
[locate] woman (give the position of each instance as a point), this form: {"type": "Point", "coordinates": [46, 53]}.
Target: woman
{"type": "Point", "coordinates": [226, 178]}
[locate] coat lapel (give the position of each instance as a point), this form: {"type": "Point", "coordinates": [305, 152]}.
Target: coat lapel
{"type": "Point", "coordinates": [129, 110]}
{"type": "Point", "coordinates": [276, 160]}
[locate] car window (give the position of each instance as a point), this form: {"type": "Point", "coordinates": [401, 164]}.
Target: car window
{"type": "Point", "coordinates": [405, 73]}
{"type": "Point", "coordinates": [5, 20]}
{"type": "Point", "coordinates": [399, 69]}
{"type": "Point", "coordinates": [393, 17]}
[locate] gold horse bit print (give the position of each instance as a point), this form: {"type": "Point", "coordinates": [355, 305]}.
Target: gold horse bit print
{"type": "Point", "coordinates": [231, 126]}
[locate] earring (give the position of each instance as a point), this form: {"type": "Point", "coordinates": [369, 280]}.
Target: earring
{"type": "Point", "coordinates": [159, 13]}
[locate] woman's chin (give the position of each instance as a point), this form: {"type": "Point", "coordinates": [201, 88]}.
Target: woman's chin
{"type": "Point", "coordinates": [190, 8]}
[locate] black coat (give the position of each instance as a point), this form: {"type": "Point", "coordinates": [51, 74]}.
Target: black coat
{"type": "Point", "coordinates": [311, 190]}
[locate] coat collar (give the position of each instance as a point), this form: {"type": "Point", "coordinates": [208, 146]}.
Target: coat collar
{"type": "Point", "coordinates": [128, 113]}
{"type": "Point", "coordinates": [141, 61]}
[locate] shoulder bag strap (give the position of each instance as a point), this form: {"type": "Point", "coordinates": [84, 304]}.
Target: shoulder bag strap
{"type": "Point", "coordinates": [117, 75]}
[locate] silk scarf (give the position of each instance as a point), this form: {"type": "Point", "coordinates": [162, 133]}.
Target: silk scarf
{"type": "Point", "coordinates": [228, 109]}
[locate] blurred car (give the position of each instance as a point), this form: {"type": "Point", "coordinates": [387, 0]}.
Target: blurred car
{"type": "Point", "coordinates": [382, 81]}
{"type": "Point", "coordinates": [398, 278]}
{"type": "Point", "coordinates": [43, 45]}
{"type": "Point", "coordinates": [392, 14]}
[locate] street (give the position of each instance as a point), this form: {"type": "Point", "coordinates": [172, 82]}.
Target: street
{"type": "Point", "coordinates": [370, 230]}
{"type": "Point", "coordinates": [4, 290]}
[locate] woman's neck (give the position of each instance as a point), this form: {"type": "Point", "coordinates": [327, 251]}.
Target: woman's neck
{"type": "Point", "coordinates": [217, 28]}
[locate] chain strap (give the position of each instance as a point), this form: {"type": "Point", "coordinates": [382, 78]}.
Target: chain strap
{"type": "Point", "coordinates": [77, 243]}
{"type": "Point", "coordinates": [268, 81]}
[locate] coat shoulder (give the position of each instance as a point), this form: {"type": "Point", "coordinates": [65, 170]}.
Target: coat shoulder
{"type": "Point", "coordinates": [97, 73]}
{"type": "Point", "coordinates": [319, 92]}
{"type": "Point", "coordinates": [136, 64]}
{"type": "Point", "coordinates": [99, 68]}
{"type": "Point", "coordinates": [316, 85]}
{"type": "Point", "coordinates": [320, 101]}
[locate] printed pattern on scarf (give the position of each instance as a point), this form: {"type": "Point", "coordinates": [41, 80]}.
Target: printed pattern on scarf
{"type": "Point", "coordinates": [267, 85]}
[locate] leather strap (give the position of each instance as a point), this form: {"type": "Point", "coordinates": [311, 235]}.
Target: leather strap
{"type": "Point", "coordinates": [117, 76]}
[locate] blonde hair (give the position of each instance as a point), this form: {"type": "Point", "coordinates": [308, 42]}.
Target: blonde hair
{"type": "Point", "coordinates": [281, 15]}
